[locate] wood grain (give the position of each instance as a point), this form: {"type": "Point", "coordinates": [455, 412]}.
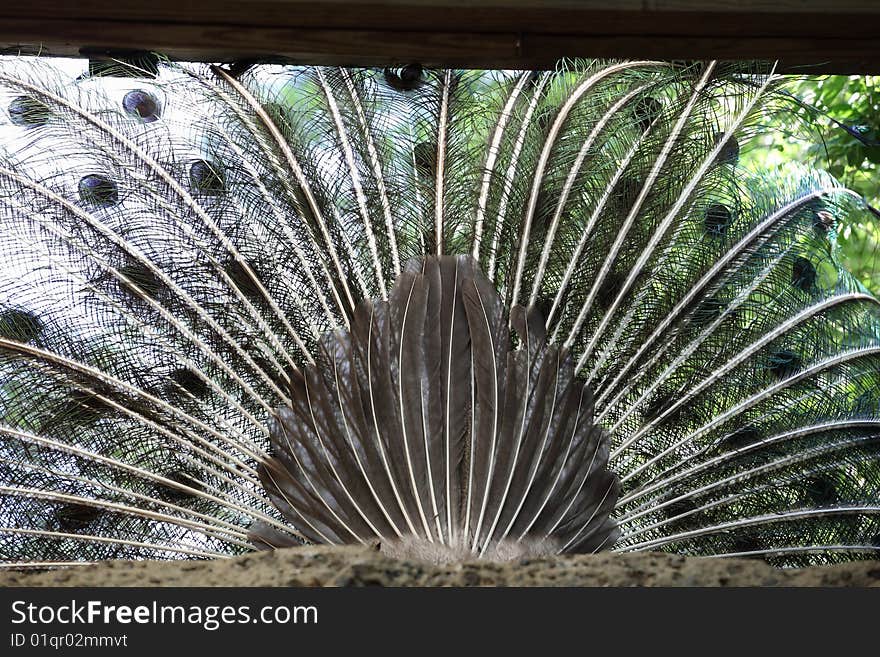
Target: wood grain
{"type": "Point", "coordinates": [823, 36]}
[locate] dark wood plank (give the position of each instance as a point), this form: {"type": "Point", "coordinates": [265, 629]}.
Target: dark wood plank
{"type": "Point", "coordinates": [827, 36]}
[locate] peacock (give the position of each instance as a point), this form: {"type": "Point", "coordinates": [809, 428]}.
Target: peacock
{"type": "Point", "coordinates": [459, 313]}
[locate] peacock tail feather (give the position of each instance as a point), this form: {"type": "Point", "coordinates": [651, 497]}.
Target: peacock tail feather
{"type": "Point", "coordinates": [243, 309]}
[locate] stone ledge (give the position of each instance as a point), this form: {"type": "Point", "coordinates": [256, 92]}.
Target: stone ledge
{"type": "Point", "coordinates": [359, 566]}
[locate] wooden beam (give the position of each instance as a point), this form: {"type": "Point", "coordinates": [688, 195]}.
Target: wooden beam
{"type": "Point", "coordinates": [806, 35]}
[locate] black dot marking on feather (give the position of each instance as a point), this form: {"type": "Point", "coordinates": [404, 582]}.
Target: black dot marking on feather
{"type": "Point", "coordinates": [98, 190]}
{"type": "Point", "coordinates": [803, 274]}
{"type": "Point", "coordinates": [742, 437]}
{"type": "Point", "coordinates": [290, 374]}
{"type": "Point", "coordinates": [543, 304]}
{"type": "Point", "coordinates": [823, 221]}
{"type": "Point", "coordinates": [745, 543]}
{"type": "Point", "coordinates": [821, 490]}
{"type": "Point", "coordinates": [265, 365]}
{"type": "Point", "coordinates": [657, 405]}
{"type": "Point", "coordinates": [406, 79]}
{"type": "Point", "coordinates": [783, 363]}
{"type": "Point", "coordinates": [206, 178]}
{"type": "Point", "coordinates": [646, 110]}
{"type": "Point", "coordinates": [20, 325]}
{"type": "Point", "coordinates": [729, 153]}
{"type": "Point", "coordinates": [411, 73]}
{"type": "Point", "coordinates": [142, 105]}
{"type": "Point", "coordinates": [425, 155]}
{"type": "Point", "coordinates": [242, 280]}
{"type": "Point", "coordinates": [609, 290]}
{"type": "Point", "coordinates": [71, 410]}
{"type": "Point", "coordinates": [241, 66]}
{"type": "Point", "coordinates": [627, 191]}
{"type": "Point", "coordinates": [189, 381]}
{"type": "Point", "coordinates": [718, 218]}
{"type": "Point", "coordinates": [28, 112]}
{"type": "Point", "coordinates": [137, 274]}
{"type": "Point", "coordinates": [545, 209]}
{"type": "Point", "coordinates": [76, 517]}
{"type": "Point", "coordinates": [680, 507]}
{"type": "Point", "coordinates": [184, 478]}
{"type": "Point", "coordinates": [83, 406]}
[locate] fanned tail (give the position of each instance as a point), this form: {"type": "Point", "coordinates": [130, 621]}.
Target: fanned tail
{"type": "Point", "coordinates": [466, 309]}
{"type": "Point", "coordinates": [366, 451]}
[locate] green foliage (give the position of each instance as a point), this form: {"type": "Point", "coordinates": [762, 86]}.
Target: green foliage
{"type": "Point", "coordinates": [845, 111]}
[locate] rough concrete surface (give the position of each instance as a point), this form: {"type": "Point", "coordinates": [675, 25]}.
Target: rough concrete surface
{"type": "Point", "coordinates": [359, 566]}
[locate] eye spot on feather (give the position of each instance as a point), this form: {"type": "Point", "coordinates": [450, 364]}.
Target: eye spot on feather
{"type": "Point", "coordinates": [729, 153]}
{"type": "Point", "coordinates": [742, 437]}
{"type": "Point", "coordinates": [76, 517]}
{"type": "Point", "coordinates": [543, 304]}
{"type": "Point", "coordinates": [680, 507]}
{"type": "Point", "coordinates": [803, 274]}
{"type": "Point", "coordinates": [627, 191]}
{"type": "Point", "coordinates": [821, 490]}
{"type": "Point", "coordinates": [242, 280]}
{"type": "Point", "coordinates": [746, 543]}
{"type": "Point", "coordinates": [823, 221]}
{"type": "Point", "coordinates": [206, 178]}
{"type": "Point", "coordinates": [82, 407]}
{"type": "Point", "coordinates": [138, 276]}
{"type": "Point", "coordinates": [609, 290]}
{"type": "Point", "coordinates": [783, 363]}
{"type": "Point", "coordinates": [425, 156]}
{"type": "Point", "coordinates": [28, 112]}
{"type": "Point", "coordinates": [141, 105]}
{"type": "Point", "coordinates": [718, 218]}
{"type": "Point", "coordinates": [658, 404]}
{"type": "Point", "coordinates": [405, 79]}
{"type": "Point", "coordinates": [240, 67]}
{"type": "Point", "coordinates": [545, 209]}
{"type": "Point", "coordinates": [646, 110]}
{"type": "Point", "coordinates": [189, 381]}
{"type": "Point", "coordinates": [411, 73]}
{"type": "Point", "coordinates": [98, 190]}
{"type": "Point", "coordinates": [20, 325]}
{"type": "Point", "coordinates": [269, 369]}
{"type": "Point", "coordinates": [179, 476]}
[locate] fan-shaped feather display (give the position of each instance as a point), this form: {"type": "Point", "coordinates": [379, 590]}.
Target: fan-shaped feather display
{"type": "Point", "coordinates": [483, 312]}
